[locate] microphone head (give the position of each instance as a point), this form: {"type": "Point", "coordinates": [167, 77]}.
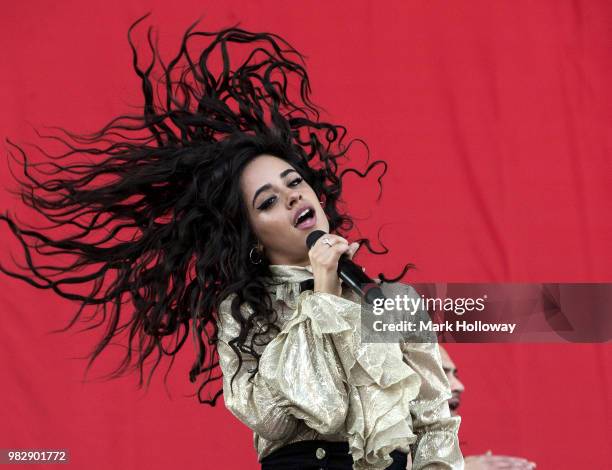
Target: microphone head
{"type": "Point", "coordinates": [312, 237]}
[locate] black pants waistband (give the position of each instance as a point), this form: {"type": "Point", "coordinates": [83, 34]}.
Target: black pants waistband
{"type": "Point", "coordinates": [340, 447]}
{"type": "Point", "coordinates": [320, 454]}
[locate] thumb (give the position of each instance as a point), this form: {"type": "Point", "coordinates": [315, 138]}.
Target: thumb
{"type": "Point", "coordinates": [353, 247]}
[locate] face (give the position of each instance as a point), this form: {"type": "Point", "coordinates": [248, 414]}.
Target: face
{"type": "Point", "coordinates": [283, 209]}
{"type": "Point", "coordinates": [456, 386]}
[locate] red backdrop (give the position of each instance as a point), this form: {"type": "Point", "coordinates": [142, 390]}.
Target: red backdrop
{"type": "Point", "coordinates": [495, 120]}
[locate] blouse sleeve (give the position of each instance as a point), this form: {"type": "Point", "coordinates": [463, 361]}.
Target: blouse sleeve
{"type": "Point", "coordinates": [296, 380]}
{"type": "Point", "coordinates": [317, 370]}
{"type": "Point", "coordinates": [437, 445]}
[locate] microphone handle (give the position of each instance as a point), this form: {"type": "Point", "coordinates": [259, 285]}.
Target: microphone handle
{"type": "Point", "coordinates": [356, 279]}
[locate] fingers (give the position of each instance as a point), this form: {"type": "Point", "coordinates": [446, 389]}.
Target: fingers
{"type": "Point", "coordinates": [326, 252]}
{"type": "Point", "coordinates": [327, 256]}
{"type": "Point", "coordinates": [333, 239]}
{"type": "Point", "coordinates": [336, 246]}
{"type": "Point", "coordinates": [508, 462]}
{"type": "Point", "coordinates": [330, 244]}
{"type": "Point", "coordinates": [324, 256]}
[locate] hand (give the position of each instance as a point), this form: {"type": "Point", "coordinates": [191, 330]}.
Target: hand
{"type": "Point", "coordinates": [324, 262]}
{"type": "Point", "coordinates": [491, 462]}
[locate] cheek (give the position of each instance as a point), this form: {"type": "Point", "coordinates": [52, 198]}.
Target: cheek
{"type": "Point", "coordinates": [322, 221]}
{"type": "Point", "coordinates": [268, 225]}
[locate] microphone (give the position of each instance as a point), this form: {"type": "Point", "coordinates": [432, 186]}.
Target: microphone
{"type": "Point", "coordinates": [352, 274]}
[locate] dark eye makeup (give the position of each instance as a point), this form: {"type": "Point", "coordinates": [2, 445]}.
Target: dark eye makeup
{"type": "Point", "coordinates": [267, 203]}
{"type": "Point", "coordinates": [271, 200]}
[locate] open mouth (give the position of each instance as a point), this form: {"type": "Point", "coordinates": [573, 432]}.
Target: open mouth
{"type": "Point", "coordinates": [305, 218]}
{"type": "Point", "coordinates": [453, 404]}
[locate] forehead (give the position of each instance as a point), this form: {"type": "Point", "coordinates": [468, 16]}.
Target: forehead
{"type": "Point", "coordinates": [263, 169]}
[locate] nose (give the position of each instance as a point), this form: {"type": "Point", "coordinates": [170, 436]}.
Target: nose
{"type": "Point", "coordinates": [294, 198]}
{"type": "Point", "coordinates": [457, 385]}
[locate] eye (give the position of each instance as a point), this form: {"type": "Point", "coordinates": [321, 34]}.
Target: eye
{"type": "Point", "coordinates": [267, 203]}
{"type": "Point", "coordinates": [296, 181]}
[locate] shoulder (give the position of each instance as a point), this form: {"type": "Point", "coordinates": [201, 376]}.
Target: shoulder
{"type": "Point", "coordinates": [235, 317]}
{"type": "Point", "coordinates": [399, 288]}
{"type": "Point", "coordinates": [228, 324]}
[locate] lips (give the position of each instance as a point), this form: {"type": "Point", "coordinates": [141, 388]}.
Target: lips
{"type": "Point", "coordinates": [298, 217]}
{"type": "Point", "coordinates": [453, 404]}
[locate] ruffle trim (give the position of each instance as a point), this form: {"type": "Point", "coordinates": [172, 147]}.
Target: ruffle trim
{"type": "Point", "coordinates": [287, 292]}
{"type": "Point", "coordinates": [380, 385]}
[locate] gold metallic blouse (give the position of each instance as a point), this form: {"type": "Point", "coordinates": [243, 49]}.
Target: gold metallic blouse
{"type": "Point", "coordinates": [317, 380]}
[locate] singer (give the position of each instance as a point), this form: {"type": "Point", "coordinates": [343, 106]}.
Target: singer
{"type": "Point", "coordinates": [190, 218]}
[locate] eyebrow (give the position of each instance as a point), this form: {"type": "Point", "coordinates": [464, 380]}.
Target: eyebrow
{"type": "Point", "coordinates": [267, 186]}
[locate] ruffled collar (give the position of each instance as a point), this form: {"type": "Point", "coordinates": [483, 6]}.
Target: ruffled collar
{"type": "Point", "coordinates": [286, 281]}
{"type": "Point", "coordinates": [290, 273]}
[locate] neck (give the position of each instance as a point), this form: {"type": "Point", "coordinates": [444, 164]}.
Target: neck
{"type": "Point", "coordinates": [291, 262]}
{"type": "Point", "coordinates": [305, 262]}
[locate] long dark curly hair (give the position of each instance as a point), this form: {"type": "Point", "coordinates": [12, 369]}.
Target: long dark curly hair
{"type": "Point", "coordinates": [153, 203]}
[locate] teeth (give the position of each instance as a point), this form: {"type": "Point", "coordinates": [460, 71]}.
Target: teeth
{"type": "Point", "coordinates": [300, 215]}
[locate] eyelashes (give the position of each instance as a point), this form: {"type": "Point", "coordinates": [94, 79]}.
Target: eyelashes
{"type": "Point", "coordinates": [267, 203]}
{"type": "Point", "coordinates": [296, 181]}
{"type": "Point", "coordinates": [271, 200]}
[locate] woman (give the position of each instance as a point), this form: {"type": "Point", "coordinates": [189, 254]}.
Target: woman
{"type": "Point", "coordinates": [196, 211]}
